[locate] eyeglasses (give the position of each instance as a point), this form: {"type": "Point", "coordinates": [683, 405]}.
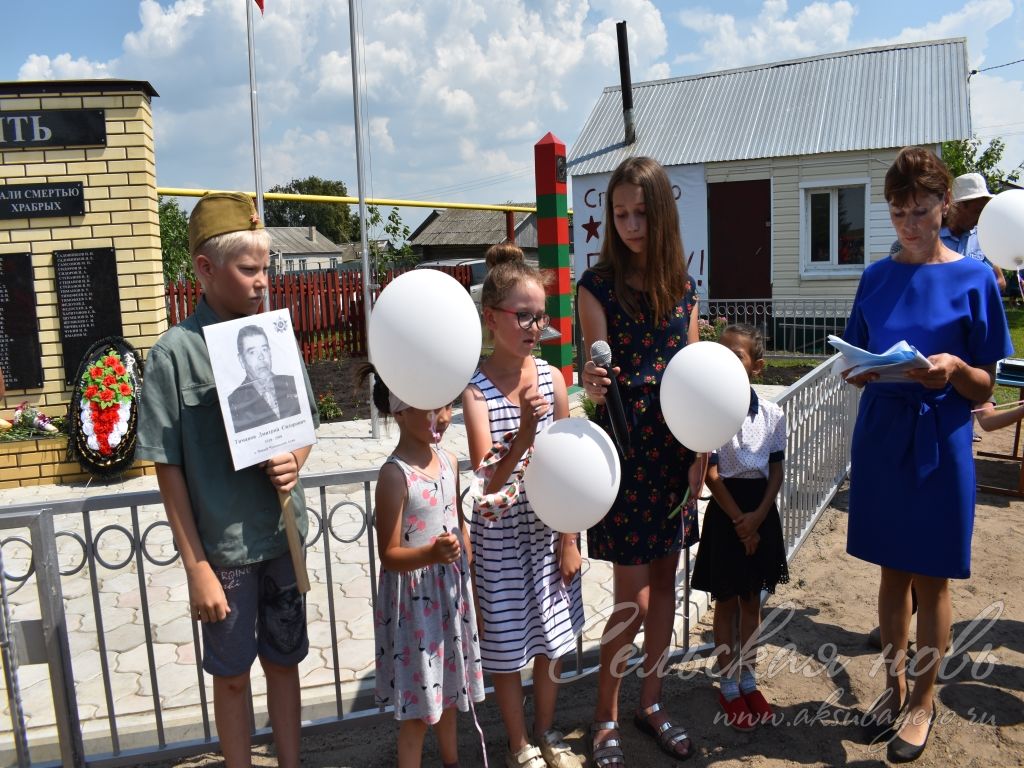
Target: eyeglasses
{"type": "Point", "coordinates": [526, 319]}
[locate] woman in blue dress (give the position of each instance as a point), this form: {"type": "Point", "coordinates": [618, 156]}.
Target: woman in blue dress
{"type": "Point", "coordinates": [912, 476]}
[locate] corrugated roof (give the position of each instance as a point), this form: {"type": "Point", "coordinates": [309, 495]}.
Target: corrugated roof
{"type": "Point", "coordinates": [289, 240]}
{"type": "Point", "coordinates": [872, 98]}
{"type": "Point", "coordinates": [465, 226]}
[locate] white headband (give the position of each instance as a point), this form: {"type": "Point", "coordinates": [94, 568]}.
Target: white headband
{"type": "Point", "coordinates": [396, 404]}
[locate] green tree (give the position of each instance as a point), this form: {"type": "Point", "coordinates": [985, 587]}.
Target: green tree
{"type": "Point", "coordinates": [388, 241]}
{"type": "Point", "coordinates": [967, 156]}
{"type": "Point", "coordinates": [334, 220]}
{"type": "Point", "coordinates": [174, 241]}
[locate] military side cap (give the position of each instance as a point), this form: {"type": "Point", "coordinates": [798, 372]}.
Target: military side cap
{"type": "Point", "coordinates": [219, 213]}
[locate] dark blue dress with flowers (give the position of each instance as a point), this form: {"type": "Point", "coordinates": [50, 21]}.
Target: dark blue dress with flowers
{"type": "Point", "coordinates": [637, 529]}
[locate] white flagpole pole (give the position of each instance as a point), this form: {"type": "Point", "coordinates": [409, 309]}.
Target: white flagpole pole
{"type": "Point", "coordinates": [353, 26]}
{"type": "Point", "coordinates": [255, 111]}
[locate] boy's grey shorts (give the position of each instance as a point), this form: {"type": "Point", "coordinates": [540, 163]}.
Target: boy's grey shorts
{"type": "Point", "coordinates": [267, 618]}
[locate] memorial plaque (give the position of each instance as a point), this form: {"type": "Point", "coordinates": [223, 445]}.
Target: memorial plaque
{"type": "Point", "coordinates": [53, 128]}
{"type": "Point", "coordinates": [31, 201]}
{"type": "Point", "coordinates": [20, 355]}
{"type": "Point", "coordinates": [88, 302]}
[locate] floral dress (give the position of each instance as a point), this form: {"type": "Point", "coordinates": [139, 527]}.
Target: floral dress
{"type": "Point", "coordinates": [638, 529]}
{"type": "Point", "coordinates": [428, 655]}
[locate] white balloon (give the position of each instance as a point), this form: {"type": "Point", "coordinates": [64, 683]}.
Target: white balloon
{"type": "Point", "coordinates": [1001, 229]}
{"type": "Point", "coordinates": [424, 338]}
{"type": "Point", "coordinates": [574, 475]}
{"type": "Point", "coordinates": [705, 395]}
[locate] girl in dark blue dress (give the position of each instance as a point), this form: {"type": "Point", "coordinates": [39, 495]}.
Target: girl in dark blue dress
{"type": "Point", "coordinates": [639, 300]}
{"type": "Point", "coordinates": [912, 474]}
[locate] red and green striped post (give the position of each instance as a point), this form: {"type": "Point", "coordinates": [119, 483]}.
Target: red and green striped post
{"type": "Point", "coordinates": [553, 248]}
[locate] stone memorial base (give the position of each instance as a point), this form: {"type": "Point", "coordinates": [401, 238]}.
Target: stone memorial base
{"type": "Point", "coordinates": [42, 462]}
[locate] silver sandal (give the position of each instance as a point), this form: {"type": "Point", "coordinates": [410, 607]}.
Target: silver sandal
{"type": "Point", "coordinates": [607, 752]}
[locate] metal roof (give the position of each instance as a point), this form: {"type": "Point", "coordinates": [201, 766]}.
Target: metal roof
{"type": "Point", "coordinates": [872, 98]}
{"type": "Point", "coordinates": [461, 226]}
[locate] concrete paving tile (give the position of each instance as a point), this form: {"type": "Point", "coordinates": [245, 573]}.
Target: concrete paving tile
{"type": "Point", "coordinates": [176, 630]}
{"type": "Point", "coordinates": [137, 660]}
{"type": "Point", "coordinates": [186, 654]}
{"type": "Point", "coordinates": [357, 588]}
{"type": "Point", "coordinates": [124, 638]}
{"type": "Point", "coordinates": [86, 664]}
{"type": "Point", "coordinates": [133, 598]}
{"type": "Point", "coordinates": [172, 576]}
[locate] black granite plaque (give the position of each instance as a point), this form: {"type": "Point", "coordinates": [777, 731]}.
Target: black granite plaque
{"type": "Point", "coordinates": [88, 302]}
{"type": "Point", "coordinates": [20, 356]}
{"type": "Point", "coordinates": [53, 128]}
{"type": "Point", "coordinates": [32, 201]}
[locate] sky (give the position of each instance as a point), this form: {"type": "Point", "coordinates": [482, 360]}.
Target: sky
{"type": "Point", "coordinates": [455, 92]}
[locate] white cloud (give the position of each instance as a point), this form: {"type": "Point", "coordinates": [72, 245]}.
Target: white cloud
{"type": "Point", "coordinates": [974, 20]}
{"type": "Point", "coordinates": [62, 67]}
{"type": "Point", "coordinates": [772, 35]}
{"type": "Point", "coordinates": [457, 104]}
{"type": "Point", "coordinates": [997, 108]}
{"type": "Point", "coordinates": [379, 134]}
{"type": "Point", "coordinates": [164, 30]}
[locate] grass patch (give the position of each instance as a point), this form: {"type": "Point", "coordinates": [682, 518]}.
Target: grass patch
{"type": "Point", "coordinates": [1015, 319]}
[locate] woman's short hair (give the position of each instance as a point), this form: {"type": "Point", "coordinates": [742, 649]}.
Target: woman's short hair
{"type": "Point", "coordinates": [916, 171]}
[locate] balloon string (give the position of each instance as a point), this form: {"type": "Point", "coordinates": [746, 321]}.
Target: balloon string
{"type": "Point", "coordinates": [705, 461]}
{"type": "Point", "coordinates": [1000, 406]}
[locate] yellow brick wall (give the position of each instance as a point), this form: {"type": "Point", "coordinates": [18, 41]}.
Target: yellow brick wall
{"type": "Point", "coordinates": [120, 213]}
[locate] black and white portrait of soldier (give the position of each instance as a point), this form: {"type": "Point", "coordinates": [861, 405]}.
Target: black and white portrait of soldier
{"type": "Point", "coordinates": [264, 396]}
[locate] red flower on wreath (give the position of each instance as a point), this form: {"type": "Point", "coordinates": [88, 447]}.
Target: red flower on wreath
{"type": "Point", "coordinates": [107, 395]}
{"type": "Point", "coordinates": [125, 389]}
{"type": "Point", "coordinates": [110, 361]}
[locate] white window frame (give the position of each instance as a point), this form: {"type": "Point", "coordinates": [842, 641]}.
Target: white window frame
{"type": "Point", "coordinates": [810, 270]}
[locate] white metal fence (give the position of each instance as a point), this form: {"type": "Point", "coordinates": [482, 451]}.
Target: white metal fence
{"type": "Point", "coordinates": [790, 326]}
{"type": "Point", "coordinates": [94, 603]}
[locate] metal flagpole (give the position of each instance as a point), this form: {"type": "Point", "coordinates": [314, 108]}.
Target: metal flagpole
{"type": "Point", "coordinates": [353, 25]}
{"type": "Point", "coordinates": [254, 110]}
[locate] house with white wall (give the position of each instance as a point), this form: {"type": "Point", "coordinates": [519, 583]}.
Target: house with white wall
{"type": "Point", "coordinates": [779, 168]}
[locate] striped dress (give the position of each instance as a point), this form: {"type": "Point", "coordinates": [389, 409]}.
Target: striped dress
{"type": "Point", "coordinates": [525, 609]}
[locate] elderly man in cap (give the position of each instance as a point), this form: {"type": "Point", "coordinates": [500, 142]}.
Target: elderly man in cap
{"type": "Point", "coordinates": [970, 196]}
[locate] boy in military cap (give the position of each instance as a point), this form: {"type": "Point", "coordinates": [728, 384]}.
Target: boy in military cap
{"type": "Point", "coordinates": [227, 524]}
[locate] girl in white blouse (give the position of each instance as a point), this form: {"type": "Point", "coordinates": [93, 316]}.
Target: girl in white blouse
{"type": "Point", "coordinates": [741, 547]}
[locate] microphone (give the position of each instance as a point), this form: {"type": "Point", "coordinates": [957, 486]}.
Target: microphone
{"type": "Point", "coordinates": [601, 354]}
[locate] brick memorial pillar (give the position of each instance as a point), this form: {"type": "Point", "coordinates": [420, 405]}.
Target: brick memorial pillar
{"type": "Point", "coordinates": [79, 247]}
{"type": "Point", "coordinates": [553, 248]}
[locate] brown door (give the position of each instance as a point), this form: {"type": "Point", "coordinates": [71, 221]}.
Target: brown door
{"type": "Point", "coordinates": [739, 241]}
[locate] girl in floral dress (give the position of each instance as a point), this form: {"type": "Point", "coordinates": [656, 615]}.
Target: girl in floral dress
{"type": "Point", "coordinates": [638, 298]}
{"type": "Point", "coordinates": [428, 656]}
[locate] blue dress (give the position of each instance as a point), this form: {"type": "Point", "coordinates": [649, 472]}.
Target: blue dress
{"type": "Point", "coordinates": [638, 529]}
{"type": "Point", "coordinates": [912, 468]}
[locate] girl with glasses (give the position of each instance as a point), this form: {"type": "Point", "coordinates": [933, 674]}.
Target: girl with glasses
{"type": "Point", "coordinates": [526, 575]}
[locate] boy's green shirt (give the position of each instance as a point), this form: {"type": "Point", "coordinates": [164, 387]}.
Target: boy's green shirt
{"type": "Point", "coordinates": [237, 514]}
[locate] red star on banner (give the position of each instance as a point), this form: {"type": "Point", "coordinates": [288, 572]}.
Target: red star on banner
{"type": "Point", "coordinates": [592, 227]}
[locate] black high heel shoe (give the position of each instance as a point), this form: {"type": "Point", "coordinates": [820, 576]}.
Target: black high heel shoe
{"type": "Point", "coordinates": [882, 726]}
{"type": "Point", "coordinates": [901, 751]}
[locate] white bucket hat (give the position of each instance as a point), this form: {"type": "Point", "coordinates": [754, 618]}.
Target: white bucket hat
{"type": "Point", "coordinates": [969, 186]}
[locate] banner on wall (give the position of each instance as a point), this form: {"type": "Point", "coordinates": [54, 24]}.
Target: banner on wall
{"type": "Point", "coordinates": [691, 194]}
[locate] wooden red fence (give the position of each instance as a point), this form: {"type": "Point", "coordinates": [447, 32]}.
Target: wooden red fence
{"type": "Point", "coordinates": [327, 308]}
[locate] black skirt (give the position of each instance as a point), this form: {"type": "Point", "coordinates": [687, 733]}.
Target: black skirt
{"type": "Point", "coordinates": [723, 567]}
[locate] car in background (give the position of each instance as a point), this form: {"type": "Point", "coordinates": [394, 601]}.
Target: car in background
{"type": "Point", "coordinates": [477, 271]}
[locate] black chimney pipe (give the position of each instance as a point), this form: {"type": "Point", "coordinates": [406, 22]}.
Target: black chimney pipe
{"type": "Point", "coordinates": [626, 82]}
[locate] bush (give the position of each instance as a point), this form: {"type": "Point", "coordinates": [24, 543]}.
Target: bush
{"type": "Point", "coordinates": [328, 407]}
{"type": "Point", "coordinates": [711, 331]}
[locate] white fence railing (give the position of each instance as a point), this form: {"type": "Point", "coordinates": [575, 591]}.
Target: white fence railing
{"type": "Point", "coordinates": [790, 326]}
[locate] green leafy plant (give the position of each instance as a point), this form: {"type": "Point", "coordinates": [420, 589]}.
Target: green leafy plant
{"type": "Point", "coordinates": [711, 331]}
{"type": "Point", "coordinates": [328, 407]}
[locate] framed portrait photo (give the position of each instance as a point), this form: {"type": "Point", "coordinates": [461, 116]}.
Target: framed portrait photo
{"type": "Point", "coordinates": [258, 371]}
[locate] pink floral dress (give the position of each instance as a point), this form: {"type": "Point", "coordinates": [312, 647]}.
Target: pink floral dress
{"type": "Point", "coordinates": [638, 528]}
{"type": "Point", "coordinates": [428, 653]}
